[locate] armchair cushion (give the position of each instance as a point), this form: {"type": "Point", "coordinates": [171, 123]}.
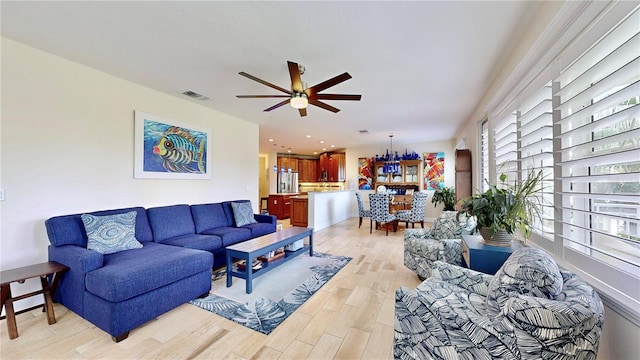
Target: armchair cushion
{"type": "Point", "coordinates": [528, 271]}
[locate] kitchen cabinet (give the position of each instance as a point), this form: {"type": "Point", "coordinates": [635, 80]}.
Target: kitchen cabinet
{"type": "Point", "coordinates": [287, 162]}
{"type": "Point", "coordinates": [307, 171]}
{"type": "Point", "coordinates": [463, 175]}
{"type": "Point", "coordinates": [334, 166]}
{"type": "Point", "coordinates": [280, 206]}
{"type": "Point", "coordinates": [300, 211]}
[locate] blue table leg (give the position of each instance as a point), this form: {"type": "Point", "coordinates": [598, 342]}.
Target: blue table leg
{"type": "Point", "coordinates": [229, 280]}
{"type": "Point", "coordinates": [311, 244]}
{"type": "Point", "coordinates": [249, 279]}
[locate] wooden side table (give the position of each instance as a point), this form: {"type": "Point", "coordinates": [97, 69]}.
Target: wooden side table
{"type": "Point", "coordinates": [19, 275]}
{"type": "Point", "coordinates": [485, 258]}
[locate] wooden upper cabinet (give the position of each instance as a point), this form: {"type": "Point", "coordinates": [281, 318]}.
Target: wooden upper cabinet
{"type": "Point", "coordinates": [287, 162]}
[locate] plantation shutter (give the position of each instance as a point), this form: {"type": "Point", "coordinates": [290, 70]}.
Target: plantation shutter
{"type": "Point", "coordinates": [506, 148]}
{"type": "Point", "coordinates": [535, 137]}
{"type": "Point", "coordinates": [484, 155]}
{"type": "Point", "coordinates": [599, 137]}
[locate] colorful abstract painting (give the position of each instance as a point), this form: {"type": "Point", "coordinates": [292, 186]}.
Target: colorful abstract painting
{"type": "Point", "coordinates": [434, 170]}
{"type": "Point", "coordinates": [167, 149]}
{"type": "Point", "coordinates": [365, 173]}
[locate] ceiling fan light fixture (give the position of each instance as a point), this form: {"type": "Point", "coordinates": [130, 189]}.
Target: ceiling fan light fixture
{"type": "Point", "coordinates": [299, 101]}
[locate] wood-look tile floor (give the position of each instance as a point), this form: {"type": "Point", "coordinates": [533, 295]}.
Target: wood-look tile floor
{"type": "Point", "coordinates": [351, 317]}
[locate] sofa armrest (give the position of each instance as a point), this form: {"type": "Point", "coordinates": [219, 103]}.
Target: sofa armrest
{"type": "Point", "coordinates": [80, 261]}
{"type": "Point", "coordinates": [565, 329]}
{"type": "Point", "coordinates": [267, 219]}
{"type": "Point", "coordinates": [470, 280]}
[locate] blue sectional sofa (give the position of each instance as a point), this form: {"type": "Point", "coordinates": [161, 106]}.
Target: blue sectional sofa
{"type": "Point", "coordinates": [180, 244]}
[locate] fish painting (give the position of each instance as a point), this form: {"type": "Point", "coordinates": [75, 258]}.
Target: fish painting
{"type": "Point", "coordinates": [181, 151]}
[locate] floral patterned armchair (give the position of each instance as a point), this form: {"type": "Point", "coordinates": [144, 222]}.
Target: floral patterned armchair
{"type": "Point", "coordinates": [528, 310]}
{"type": "Point", "coordinates": [441, 242]}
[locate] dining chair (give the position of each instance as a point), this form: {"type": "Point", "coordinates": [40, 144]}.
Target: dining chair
{"type": "Point", "coordinates": [416, 214]}
{"type": "Point", "coordinates": [379, 205]}
{"type": "Point", "coordinates": [362, 213]}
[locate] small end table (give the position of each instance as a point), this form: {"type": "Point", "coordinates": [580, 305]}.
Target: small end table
{"type": "Point", "coordinates": [485, 258]}
{"type": "Point", "coordinates": [19, 275]}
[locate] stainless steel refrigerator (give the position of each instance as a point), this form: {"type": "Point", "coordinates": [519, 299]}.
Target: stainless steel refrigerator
{"type": "Point", "coordinates": [287, 182]}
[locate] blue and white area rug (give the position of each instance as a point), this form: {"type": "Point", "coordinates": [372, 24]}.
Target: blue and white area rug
{"type": "Point", "coordinates": [276, 294]}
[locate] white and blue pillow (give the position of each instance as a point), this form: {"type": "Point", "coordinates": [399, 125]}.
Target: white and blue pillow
{"type": "Point", "coordinates": [111, 233]}
{"type": "Point", "coordinates": [243, 213]}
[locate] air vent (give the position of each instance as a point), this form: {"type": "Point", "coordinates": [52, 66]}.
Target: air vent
{"type": "Point", "coordinates": [195, 95]}
{"type": "Point", "coordinates": [363, 131]}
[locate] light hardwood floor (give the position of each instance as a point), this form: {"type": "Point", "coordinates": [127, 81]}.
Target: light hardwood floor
{"type": "Point", "coordinates": [351, 317]}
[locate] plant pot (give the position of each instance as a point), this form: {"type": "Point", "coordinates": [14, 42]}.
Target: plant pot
{"type": "Point", "coordinates": [500, 238]}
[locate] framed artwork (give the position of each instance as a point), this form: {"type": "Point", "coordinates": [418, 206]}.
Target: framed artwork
{"type": "Point", "coordinates": [434, 170]}
{"type": "Point", "coordinates": [365, 173]}
{"type": "Point", "coordinates": [168, 149]}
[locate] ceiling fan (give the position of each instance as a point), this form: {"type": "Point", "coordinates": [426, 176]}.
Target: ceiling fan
{"type": "Point", "coordinates": [300, 96]}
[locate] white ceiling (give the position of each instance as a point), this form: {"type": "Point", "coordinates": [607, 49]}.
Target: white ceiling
{"type": "Point", "coordinates": [421, 67]}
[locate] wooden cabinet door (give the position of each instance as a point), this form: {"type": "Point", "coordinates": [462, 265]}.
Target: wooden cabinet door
{"type": "Point", "coordinates": [341, 165]}
{"type": "Point", "coordinates": [463, 174]}
{"type": "Point", "coordinates": [307, 170]}
{"type": "Point", "coordinates": [299, 212]}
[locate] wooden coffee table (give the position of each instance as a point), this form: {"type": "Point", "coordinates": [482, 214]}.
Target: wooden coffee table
{"type": "Point", "coordinates": [251, 249]}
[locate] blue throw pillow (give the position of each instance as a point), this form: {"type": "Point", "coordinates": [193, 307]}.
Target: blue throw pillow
{"type": "Point", "coordinates": [243, 213]}
{"type": "Point", "coordinates": [112, 233]}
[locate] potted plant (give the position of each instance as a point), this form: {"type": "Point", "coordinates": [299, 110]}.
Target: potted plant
{"type": "Point", "coordinates": [504, 209]}
{"type": "Point", "coordinates": [446, 196]}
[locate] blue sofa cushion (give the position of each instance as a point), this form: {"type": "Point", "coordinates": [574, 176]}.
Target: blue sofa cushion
{"type": "Point", "coordinates": [230, 235]}
{"type": "Point", "coordinates": [130, 273]}
{"type": "Point", "coordinates": [196, 241]}
{"type": "Point", "coordinates": [170, 221]}
{"type": "Point", "coordinates": [242, 213]}
{"type": "Point", "coordinates": [69, 229]}
{"type": "Point", "coordinates": [111, 233]}
{"type": "Point", "coordinates": [208, 216]}
{"type": "Point", "coordinates": [259, 229]}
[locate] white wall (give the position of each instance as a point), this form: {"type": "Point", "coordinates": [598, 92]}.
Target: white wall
{"type": "Point", "coordinates": [67, 147]}
{"type": "Point", "coordinates": [448, 147]}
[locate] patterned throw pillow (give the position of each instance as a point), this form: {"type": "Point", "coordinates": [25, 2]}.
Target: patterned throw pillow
{"type": "Point", "coordinates": [112, 233]}
{"type": "Point", "coordinates": [243, 213]}
{"type": "Point", "coordinates": [529, 272]}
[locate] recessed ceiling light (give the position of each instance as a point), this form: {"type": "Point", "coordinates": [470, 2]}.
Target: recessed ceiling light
{"type": "Point", "coordinates": [324, 149]}
{"type": "Point", "coordinates": [321, 141]}
{"type": "Point", "coordinates": [308, 136]}
{"type": "Point", "coordinates": [270, 140]}
{"type": "Point", "coordinates": [315, 153]}
{"type": "Point", "coordinates": [333, 146]}
{"type": "Point", "coordinates": [289, 150]}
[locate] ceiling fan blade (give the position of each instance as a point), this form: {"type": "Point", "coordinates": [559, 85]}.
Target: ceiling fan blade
{"type": "Point", "coordinates": [303, 112]}
{"type": "Point", "coordinates": [294, 72]}
{"type": "Point", "coordinates": [323, 105]}
{"type": "Point", "coordinates": [262, 96]}
{"type": "Point", "coordinates": [338, 97]}
{"type": "Point", "coordinates": [264, 82]}
{"type": "Point", "coordinates": [277, 105]}
{"type": "Point", "coordinates": [329, 83]}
